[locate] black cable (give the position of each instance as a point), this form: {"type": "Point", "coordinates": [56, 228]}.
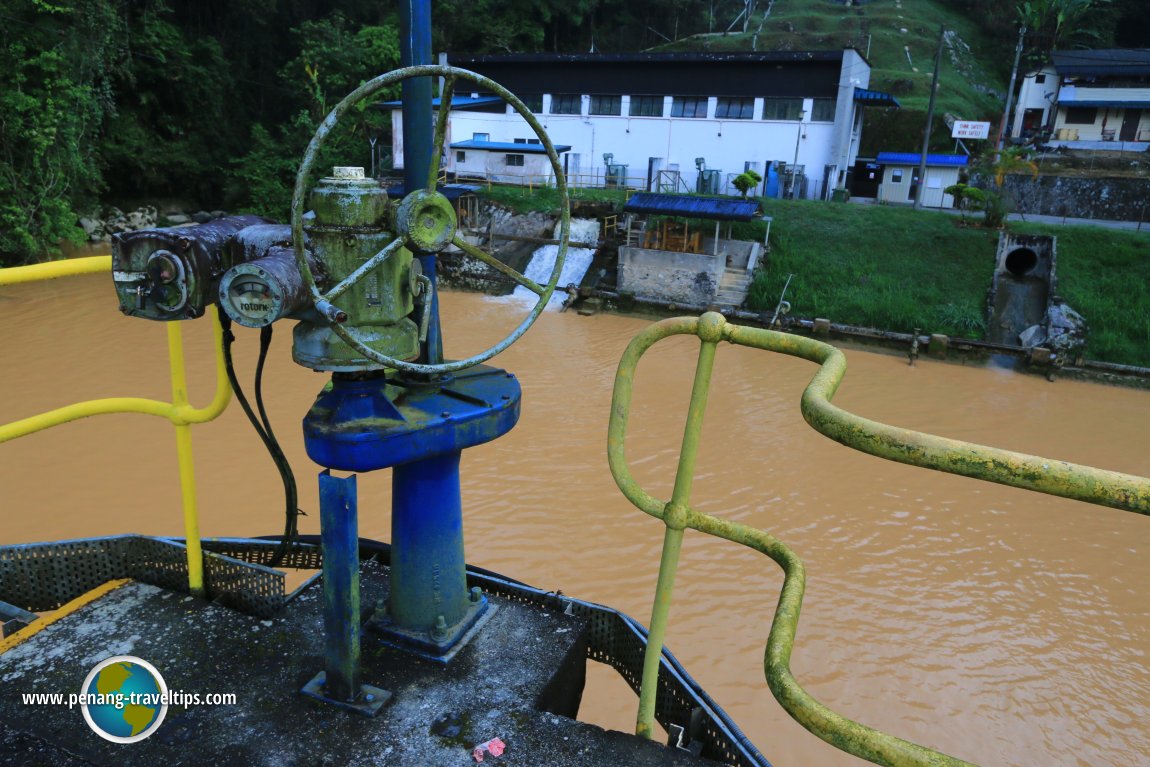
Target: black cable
{"type": "Point", "coordinates": [263, 428]}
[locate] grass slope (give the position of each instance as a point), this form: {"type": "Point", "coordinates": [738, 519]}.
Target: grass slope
{"type": "Point", "coordinates": [897, 269]}
{"type": "Point", "coordinates": [973, 76]}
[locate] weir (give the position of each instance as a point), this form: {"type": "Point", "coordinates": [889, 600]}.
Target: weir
{"type": "Point", "coordinates": [574, 268]}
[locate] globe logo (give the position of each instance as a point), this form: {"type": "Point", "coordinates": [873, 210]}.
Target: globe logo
{"type": "Point", "coordinates": [124, 699]}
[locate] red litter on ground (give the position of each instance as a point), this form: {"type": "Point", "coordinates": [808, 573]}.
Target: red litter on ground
{"type": "Point", "coordinates": [494, 747]}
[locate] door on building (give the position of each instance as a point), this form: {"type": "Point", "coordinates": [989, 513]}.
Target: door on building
{"type": "Point", "coordinates": [1130, 122]}
{"type": "Point", "coordinates": [654, 165]}
{"type": "Point", "coordinates": [865, 179]}
{"type": "Point", "coordinates": [914, 182]}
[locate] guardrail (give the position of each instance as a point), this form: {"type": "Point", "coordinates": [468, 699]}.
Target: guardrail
{"type": "Point", "coordinates": [179, 411]}
{"type": "Point", "coordinates": [1069, 480]}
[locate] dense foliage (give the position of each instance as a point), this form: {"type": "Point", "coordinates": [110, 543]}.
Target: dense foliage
{"type": "Point", "coordinates": [211, 102]}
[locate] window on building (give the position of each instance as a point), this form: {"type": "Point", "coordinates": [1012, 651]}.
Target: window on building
{"type": "Point", "coordinates": [606, 105]}
{"type": "Point", "coordinates": [515, 160]}
{"type": "Point", "coordinates": [782, 109]}
{"type": "Point", "coordinates": [823, 110]}
{"type": "Point", "coordinates": [533, 102]}
{"type": "Point", "coordinates": [735, 108]}
{"type": "Point", "coordinates": [527, 141]}
{"type": "Point", "coordinates": [480, 136]}
{"type": "Point", "coordinates": [566, 104]}
{"type": "Point", "coordinates": [689, 106]}
{"type": "Point", "coordinates": [896, 176]}
{"type": "Point", "coordinates": [1039, 79]}
{"type": "Point", "coordinates": [461, 156]}
{"type": "Point", "coordinates": [1081, 115]}
{"type": "Point", "coordinates": [646, 106]}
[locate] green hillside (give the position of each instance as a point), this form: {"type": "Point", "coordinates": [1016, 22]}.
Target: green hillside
{"type": "Point", "coordinates": [975, 68]}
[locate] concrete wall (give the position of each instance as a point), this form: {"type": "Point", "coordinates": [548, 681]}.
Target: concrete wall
{"type": "Point", "coordinates": [1119, 199]}
{"type": "Point", "coordinates": [685, 278]}
{"type": "Point", "coordinates": [1038, 96]}
{"type": "Point", "coordinates": [493, 165]}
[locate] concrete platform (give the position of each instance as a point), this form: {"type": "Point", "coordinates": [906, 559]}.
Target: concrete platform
{"type": "Point", "coordinates": [519, 680]}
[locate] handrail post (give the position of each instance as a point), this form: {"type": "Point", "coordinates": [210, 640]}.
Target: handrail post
{"type": "Point", "coordinates": [186, 460]}
{"type": "Point", "coordinates": [676, 516]}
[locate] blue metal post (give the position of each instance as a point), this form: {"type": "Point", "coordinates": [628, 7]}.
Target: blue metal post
{"type": "Point", "coordinates": [415, 49]}
{"type": "Point", "coordinates": [339, 537]}
{"type": "Point", "coordinates": [428, 580]}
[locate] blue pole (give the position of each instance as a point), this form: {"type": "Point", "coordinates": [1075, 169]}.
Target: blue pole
{"type": "Point", "coordinates": [339, 536]}
{"type": "Point", "coordinates": [428, 577]}
{"type": "Point", "coordinates": [415, 49]}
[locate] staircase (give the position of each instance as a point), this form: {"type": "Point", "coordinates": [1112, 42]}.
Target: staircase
{"type": "Point", "coordinates": [732, 287]}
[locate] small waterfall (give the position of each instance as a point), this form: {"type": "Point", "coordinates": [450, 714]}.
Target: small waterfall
{"type": "Point", "coordinates": [576, 265]}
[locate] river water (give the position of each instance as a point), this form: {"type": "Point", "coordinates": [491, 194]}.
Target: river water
{"type": "Point", "coordinates": [1000, 626]}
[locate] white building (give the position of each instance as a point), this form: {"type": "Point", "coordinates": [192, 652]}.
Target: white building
{"type": "Point", "coordinates": [665, 122]}
{"type": "Point", "coordinates": [1088, 100]}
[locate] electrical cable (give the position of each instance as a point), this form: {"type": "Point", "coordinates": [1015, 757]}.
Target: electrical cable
{"type": "Point", "coordinates": [263, 428]}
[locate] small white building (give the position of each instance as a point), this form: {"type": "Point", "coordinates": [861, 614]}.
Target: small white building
{"type": "Point", "coordinates": [1088, 100]}
{"type": "Point", "coordinates": [503, 162]}
{"type": "Point", "coordinates": [668, 122]}
{"type": "Point", "coordinates": [900, 177]}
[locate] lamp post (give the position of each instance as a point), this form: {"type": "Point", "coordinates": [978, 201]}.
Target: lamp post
{"type": "Point", "coordinates": [795, 164]}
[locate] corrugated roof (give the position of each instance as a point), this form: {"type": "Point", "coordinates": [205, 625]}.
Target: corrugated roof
{"type": "Point", "coordinates": [633, 58]}
{"type": "Point", "coordinates": [1106, 61]}
{"type": "Point", "coordinates": [685, 206]}
{"type": "Point", "coordinates": [914, 158]}
{"type": "Point", "coordinates": [457, 102]}
{"type": "Point", "coordinates": [505, 146]}
{"type": "Point", "coordinates": [869, 98]}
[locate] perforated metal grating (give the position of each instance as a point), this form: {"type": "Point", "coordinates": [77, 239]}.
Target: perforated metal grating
{"type": "Point", "coordinates": [44, 576]}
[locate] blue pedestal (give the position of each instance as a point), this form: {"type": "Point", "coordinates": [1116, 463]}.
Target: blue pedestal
{"type": "Point", "coordinates": [419, 429]}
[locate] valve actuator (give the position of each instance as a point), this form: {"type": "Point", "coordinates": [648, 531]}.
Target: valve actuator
{"type": "Point", "coordinates": [173, 274]}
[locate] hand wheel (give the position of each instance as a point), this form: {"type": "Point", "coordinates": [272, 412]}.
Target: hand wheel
{"type": "Point", "coordinates": [425, 219]}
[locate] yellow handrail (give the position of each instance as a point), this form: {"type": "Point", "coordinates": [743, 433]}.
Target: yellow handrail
{"type": "Point", "coordinates": [179, 411]}
{"type": "Point", "coordinates": [1085, 483]}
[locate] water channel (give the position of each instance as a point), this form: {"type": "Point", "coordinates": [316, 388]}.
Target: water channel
{"type": "Point", "coordinates": [1001, 626]}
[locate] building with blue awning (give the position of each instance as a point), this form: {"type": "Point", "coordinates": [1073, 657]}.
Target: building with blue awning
{"type": "Point", "coordinates": [1091, 99]}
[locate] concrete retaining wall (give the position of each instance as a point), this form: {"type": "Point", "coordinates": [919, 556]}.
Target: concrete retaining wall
{"type": "Point", "coordinates": [1117, 199]}
{"type": "Point", "coordinates": [663, 275]}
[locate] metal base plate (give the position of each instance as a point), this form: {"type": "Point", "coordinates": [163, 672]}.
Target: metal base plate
{"type": "Point", "coordinates": [420, 643]}
{"type": "Point", "coordinates": [368, 703]}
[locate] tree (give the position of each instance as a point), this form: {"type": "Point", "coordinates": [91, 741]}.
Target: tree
{"type": "Point", "coordinates": [746, 181]}
{"type": "Point", "coordinates": [1013, 159]}
{"type": "Point", "coordinates": [966, 198]}
{"type": "Point", "coordinates": [56, 63]}
{"type": "Point", "coordinates": [1051, 24]}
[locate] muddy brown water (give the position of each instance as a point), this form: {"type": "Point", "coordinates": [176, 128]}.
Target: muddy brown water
{"type": "Point", "coordinates": [1001, 626]}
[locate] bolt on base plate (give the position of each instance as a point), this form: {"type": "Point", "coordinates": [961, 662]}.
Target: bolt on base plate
{"type": "Point", "coordinates": [368, 703]}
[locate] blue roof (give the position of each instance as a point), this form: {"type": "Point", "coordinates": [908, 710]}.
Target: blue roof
{"type": "Point", "coordinates": [457, 102]}
{"type": "Point", "coordinates": [869, 98]}
{"type": "Point", "coordinates": [506, 146]}
{"type": "Point", "coordinates": [451, 191]}
{"type": "Point", "coordinates": [714, 208]}
{"type": "Point", "coordinates": [1126, 104]}
{"type": "Point", "coordinates": [914, 158]}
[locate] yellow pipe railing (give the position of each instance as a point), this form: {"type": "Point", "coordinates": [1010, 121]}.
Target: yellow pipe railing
{"type": "Point", "coordinates": [179, 411]}
{"type": "Point", "coordinates": [1122, 491]}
